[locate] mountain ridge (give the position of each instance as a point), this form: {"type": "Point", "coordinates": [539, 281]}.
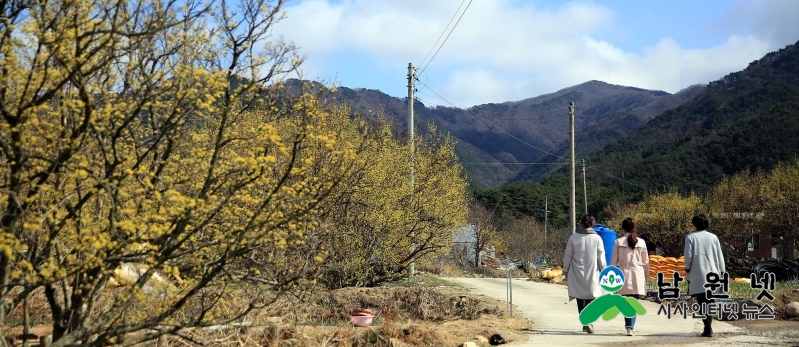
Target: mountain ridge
{"type": "Point", "coordinates": [746, 120]}
{"type": "Point", "coordinates": [492, 131]}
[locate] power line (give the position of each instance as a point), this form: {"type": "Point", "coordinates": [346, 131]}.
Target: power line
{"type": "Point", "coordinates": [429, 103]}
{"type": "Point", "coordinates": [611, 176]}
{"type": "Point", "coordinates": [587, 167]}
{"type": "Point", "coordinates": [524, 117]}
{"type": "Point", "coordinates": [442, 33]}
{"type": "Point", "coordinates": [442, 90]}
{"type": "Point", "coordinates": [513, 163]}
{"type": "Point", "coordinates": [527, 117]}
{"type": "Point", "coordinates": [490, 125]}
{"type": "Point", "coordinates": [421, 92]}
{"type": "Point", "coordinates": [462, 106]}
{"type": "Point", "coordinates": [500, 129]}
{"type": "Point", "coordinates": [450, 33]}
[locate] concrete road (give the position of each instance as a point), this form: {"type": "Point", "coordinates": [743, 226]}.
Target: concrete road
{"type": "Point", "coordinates": [556, 322]}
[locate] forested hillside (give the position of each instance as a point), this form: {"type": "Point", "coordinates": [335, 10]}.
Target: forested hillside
{"type": "Point", "coordinates": [748, 120]}
{"type": "Point", "coordinates": [494, 138]}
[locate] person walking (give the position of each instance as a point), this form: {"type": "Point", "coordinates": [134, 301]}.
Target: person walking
{"type": "Point", "coordinates": [702, 256]}
{"type": "Point", "coordinates": [583, 260]}
{"type": "Point", "coordinates": [631, 257]}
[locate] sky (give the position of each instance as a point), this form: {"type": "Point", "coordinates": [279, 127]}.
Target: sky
{"type": "Point", "coordinates": [509, 50]}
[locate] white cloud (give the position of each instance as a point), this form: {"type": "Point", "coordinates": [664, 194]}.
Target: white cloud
{"type": "Point", "coordinates": [665, 65]}
{"type": "Point", "coordinates": [462, 86]}
{"type": "Point", "coordinates": [774, 21]}
{"type": "Point", "coordinates": [503, 51]}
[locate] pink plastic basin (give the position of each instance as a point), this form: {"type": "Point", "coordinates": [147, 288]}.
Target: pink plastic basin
{"type": "Point", "coordinates": [361, 321]}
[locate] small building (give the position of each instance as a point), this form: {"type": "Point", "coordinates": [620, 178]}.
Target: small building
{"type": "Point", "coordinates": [466, 240]}
{"type": "Point", "coordinates": [769, 245]}
{"type": "Point", "coordinates": [764, 244]}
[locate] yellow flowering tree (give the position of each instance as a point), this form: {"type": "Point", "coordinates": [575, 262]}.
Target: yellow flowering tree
{"type": "Point", "coordinates": [147, 133]}
{"type": "Point", "coordinates": [737, 207]}
{"type": "Point", "coordinates": [380, 224]}
{"type": "Point", "coordinates": [616, 213]}
{"type": "Point", "coordinates": [781, 203]}
{"type": "Point", "coordinates": [664, 219]}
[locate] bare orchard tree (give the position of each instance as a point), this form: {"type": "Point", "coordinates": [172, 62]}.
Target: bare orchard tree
{"type": "Point", "coordinates": [556, 245]}
{"type": "Point", "coordinates": [486, 229]}
{"type": "Point", "coordinates": [524, 239]}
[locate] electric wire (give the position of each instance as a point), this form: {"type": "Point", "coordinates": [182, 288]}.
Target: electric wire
{"type": "Point", "coordinates": [488, 123]}
{"type": "Point", "coordinates": [494, 126]}
{"type": "Point", "coordinates": [495, 113]}
{"type": "Point", "coordinates": [611, 176]}
{"type": "Point", "coordinates": [435, 97]}
{"type": "Point", "coordinates": [427, 79]}
{"type": "Point", "coordinates": [556, 163]}
{"type": "Point", "coordinates": [462, 106]}
{"type": "Point", "coordinates": [512, 163]}
{"type": "Point", "coordinates": [450, 33]}
{"type": "Point", "coordinates": [442, 33]}
{"type": "Point", "coordinates": [430, 103]}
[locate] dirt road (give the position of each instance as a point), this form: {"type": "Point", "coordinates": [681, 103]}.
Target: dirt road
{"type": "Point", "coordinates": [556, 323]}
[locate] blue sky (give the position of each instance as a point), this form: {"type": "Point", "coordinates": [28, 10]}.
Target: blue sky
{"type": "Point", "coordinates": [507, 50]}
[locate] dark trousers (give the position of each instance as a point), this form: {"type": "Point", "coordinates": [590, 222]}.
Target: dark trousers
{"type": "Point", "coordinates": [702, 299]}
{"type": "Point", "coordinates": [582, 303]}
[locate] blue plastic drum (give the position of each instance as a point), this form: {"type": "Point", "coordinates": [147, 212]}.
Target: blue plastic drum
{"type": "Point", "coordinates": [608, 238]}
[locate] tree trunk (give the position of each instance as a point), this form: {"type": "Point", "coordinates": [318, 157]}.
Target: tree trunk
{"type": "Point", "coordinates": [5, 268]}
{"type": "Point", "coordinates": [477, 246]}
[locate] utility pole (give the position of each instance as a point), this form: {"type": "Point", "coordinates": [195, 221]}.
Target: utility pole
{"type": "Point", "coordinates": [546, 217]}
{"type": "Point", "coordinates": [411, 90]}
{"type": "Point", "coordinates": [622, 184]}
{"type": "Point", "coordinates": [572, 207]}
{"type": "Point", "coordinates": [585, 195]}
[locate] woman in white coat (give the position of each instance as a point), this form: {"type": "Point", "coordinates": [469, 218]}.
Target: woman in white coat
{"type": "Point", "coordinates": [631, 257]}
{"type": "Point", "coordinates": [583, 260]}
{"type": "Point", "coordinates": [703, 255]}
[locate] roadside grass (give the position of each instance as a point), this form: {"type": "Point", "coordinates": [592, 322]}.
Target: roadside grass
{"type": "Point", "coordinates": [791, 335]}
{"type": "Point", "coordinates": [444, 269]}
{"type": "Point", "coordinates": [426, 281]}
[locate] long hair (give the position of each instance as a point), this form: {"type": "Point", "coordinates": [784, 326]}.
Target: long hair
{"type": "Point", "coordinates": [628, 225]}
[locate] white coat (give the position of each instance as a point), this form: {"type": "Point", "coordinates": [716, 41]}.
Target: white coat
{"type": "Point", "coordinates": [583, 260]}
{"type": "Point", "coordinates": [633, 263]}
{"type": "Point", "coordinates": [702, 256]}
